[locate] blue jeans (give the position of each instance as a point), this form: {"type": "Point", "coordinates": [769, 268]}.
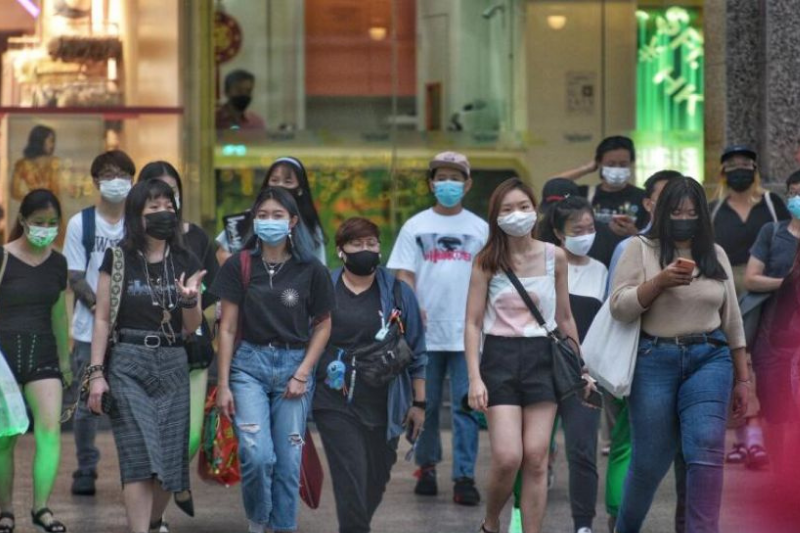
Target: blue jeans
{"type": "Point", "coordinates": [679, 399]}
{"type": "Point", "coordinates": [465, 427]}
{"type": "Point", "coordinates": [85, 422]}
{"type": "Point", "coordinates": [270, 430]}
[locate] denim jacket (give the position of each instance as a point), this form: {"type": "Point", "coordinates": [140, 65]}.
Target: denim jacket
{"type": "Point", "coordinates": [401, 393]}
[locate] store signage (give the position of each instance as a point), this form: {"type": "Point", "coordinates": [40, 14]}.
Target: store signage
{"type": "Point", "coordinates": [227, 37]}
{"type": "Point", "coordinates": [669, 91]}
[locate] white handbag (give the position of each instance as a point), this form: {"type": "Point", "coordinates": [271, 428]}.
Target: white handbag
{"type": "Point", "coordinates": [609, 351]}
{"type": "Point", "coordinates": [13, 415]}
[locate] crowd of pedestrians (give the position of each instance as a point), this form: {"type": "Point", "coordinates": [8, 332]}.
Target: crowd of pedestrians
{"type": "Point", "coordinates": [474, 300]}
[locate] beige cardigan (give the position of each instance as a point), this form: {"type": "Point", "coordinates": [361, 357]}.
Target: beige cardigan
{"type": "Point", "coordinates": [701, 307]}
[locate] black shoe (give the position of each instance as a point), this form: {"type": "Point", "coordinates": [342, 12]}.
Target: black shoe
{"type": "Point", "coordinates": [465, 493]}
{"type": "Point", "coordinates": [426, 481]}
{"type": "Point", "coordinates": [185, 502]}
{"type": "Point", "coordinates": [83, 482]}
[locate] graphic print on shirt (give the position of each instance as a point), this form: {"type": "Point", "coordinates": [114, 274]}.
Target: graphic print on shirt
{"type": "Point", "coordinates": [290, 297]}
{"type": "Point", "coordinates": [438, 247]}
{"type": "Point", "coordinates": [139, 288]}
{"type": "Point", "coordinates": [101, 244]}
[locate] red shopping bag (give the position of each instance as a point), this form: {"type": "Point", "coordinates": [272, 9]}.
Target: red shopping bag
{"type": "Point", "coordinates": [310, 473]}
{"type": "Point", "coordinates": [219, 449]}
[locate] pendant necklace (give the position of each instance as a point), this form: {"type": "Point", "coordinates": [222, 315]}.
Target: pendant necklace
{"type": "Point", "coordinates": [272, 269]}
{"type": "Point", "coordinates": [161, 294]}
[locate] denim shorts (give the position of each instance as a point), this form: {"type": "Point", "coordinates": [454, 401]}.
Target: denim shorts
{"type": "Point", "coordinates": [518, 370]}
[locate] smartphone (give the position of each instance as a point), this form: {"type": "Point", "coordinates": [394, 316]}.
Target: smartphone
{"type": "Point", "coordinates": [623, 218]}
{"type": "Point", "coordinates": [686, 265]}
{"type": "Point", "coordinates": [595, 400]}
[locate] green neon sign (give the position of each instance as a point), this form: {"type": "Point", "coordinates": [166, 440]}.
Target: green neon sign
{"type": "Point", "coordinates": [669, 91]}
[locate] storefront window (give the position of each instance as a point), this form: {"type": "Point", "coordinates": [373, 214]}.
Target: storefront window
{"type": "Point", "coordinates": [80, 77]}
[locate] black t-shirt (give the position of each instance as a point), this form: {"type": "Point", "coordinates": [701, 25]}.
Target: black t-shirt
{"type": "Point", "coordinates": [204, 250]}
{"type": "Point", "coordinates": [28, 294]}
{"type": "Point", "coordinates": [627, 201]}
{"type": "Point", "coordinates": [281, 311]}
{"type": "Point", "coordinates": [355, 322]}
{"type": "Point", "coordinates": [136, 309]}
{"type": "Point", "coordinates": [736, 236]}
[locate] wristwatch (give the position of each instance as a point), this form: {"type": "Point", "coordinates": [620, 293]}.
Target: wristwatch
{"type": "Point", "coordinates": [422, 405]}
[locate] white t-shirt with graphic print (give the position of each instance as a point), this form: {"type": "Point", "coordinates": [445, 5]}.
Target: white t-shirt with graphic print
{"type": "Point", "coordinates": [440, 250]}
{"type": "Point", "coordinates": [105, 236]}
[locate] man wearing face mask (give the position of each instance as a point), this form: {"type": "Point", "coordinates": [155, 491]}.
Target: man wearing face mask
{"type": "Point", "coordinates": [89, 234]}
{"type": "Point", "coordinates": [617, 202]}
{"type": "Point", "coordinates": [434, 254]}
{"type": "Point", "coordinates": [233, 114]}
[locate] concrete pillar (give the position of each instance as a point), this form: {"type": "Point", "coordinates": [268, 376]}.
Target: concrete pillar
{"type": "Point", "coordinates": [715, 87]}
{"type": "Point", "coordinates": [781, 88]}
{"type": "Point", "coordinates": [742, 64]}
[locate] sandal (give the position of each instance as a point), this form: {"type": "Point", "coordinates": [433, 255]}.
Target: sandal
{"type": "Point", "coordinates": [484, 530]}
{"type": "Point", "coordinates": [737, 455]}
{"type": "Point", "coordinates": [8, 516]}
{"type": "Point", "coordinates": [53, 527]}
{"type": "Point", "coordinates": [756, 457]}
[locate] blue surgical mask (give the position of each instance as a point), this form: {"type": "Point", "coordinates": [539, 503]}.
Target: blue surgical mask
{"type": "Point", "coordinates": [448, 193]}
{"type": "Point", "coordinates": [272, 232]}
{"type": "Point", "coordinates": [794, 206]}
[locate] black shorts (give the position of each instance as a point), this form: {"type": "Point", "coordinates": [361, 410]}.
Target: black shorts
{"type": "Point", "coordinates": [31, 356]}
{"type": "Point", "coordinates": [518, 370]}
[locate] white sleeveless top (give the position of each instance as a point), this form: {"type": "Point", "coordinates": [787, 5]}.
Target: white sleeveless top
{"type": "Point", "coordinates": [506, 312]}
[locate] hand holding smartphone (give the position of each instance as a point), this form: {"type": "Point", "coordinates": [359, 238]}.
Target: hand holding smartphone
{"type": "Point", "coordinates": [687, 265]}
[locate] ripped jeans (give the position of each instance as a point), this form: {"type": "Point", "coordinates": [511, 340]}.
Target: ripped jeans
{"type": "Point", "coordinates": [270, 430]}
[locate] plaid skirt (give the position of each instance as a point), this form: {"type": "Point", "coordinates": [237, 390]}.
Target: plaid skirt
{"type": "Point", "coordinates": [150, 414]}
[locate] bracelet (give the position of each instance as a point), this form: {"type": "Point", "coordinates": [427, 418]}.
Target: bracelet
{"type": "Point", "coordinates": [421, 405]}
{"type": "Point", "coordinates": [300, 380]}
{"type": "Point", "coordinates": [187, 304]}
{"type": "Point", "coordinates": [94, 368]}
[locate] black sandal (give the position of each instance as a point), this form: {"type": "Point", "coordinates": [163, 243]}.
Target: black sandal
{"type": "Point", "coordinates": [8, 516]}
{"type": "Point", "coordinates": [484, 530]}
{"type": "Point", "coordinates": [53, 527]}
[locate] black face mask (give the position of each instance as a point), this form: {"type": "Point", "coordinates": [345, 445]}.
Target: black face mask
{"type": "Point", "coordinates": [740, 179]}
{"type": "Point", "coordinates": [683, 230]}
{"type": "Point", "coordinates": [161, 225]}
{"type": "Point", "coordinates": [241, 102]}
{"type": "Point", "coordinates": [362, 263]}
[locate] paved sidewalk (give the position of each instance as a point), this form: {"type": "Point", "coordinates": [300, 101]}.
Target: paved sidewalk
{"type": "Point", "coordinates": [219, 510]}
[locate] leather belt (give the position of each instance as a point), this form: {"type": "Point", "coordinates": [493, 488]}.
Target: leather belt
{"type": "Point", "coordinates": [686, 340]}
{"type": "Point", "coordinates": [150, 340]}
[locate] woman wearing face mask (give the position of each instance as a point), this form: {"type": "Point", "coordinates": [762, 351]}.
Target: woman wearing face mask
{"type": "Point", "coordinates": [290, 174]}
{"type": "Point", "coordinates": [361, 432]}
{"type": "Point", "coordinates": [742, 208]}
{"type": "Point", "coordinates": [570, 224]}
{"type": "Point", "coordinates": [691, 356]}
{"type": "Point", "coordinates": [148, 376]}
{"type": "Point", "coordinates": [771, 260]}
{"type": "Point", "coordinates": [512, 380]}
{"type": "Point", "coordinates": [34, 341]}
{"type": "Point", "coordinates": [198, 343]}
{"type": "Point", "coordinates": [277, 300]}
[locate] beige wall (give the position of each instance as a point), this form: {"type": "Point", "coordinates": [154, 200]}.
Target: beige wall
{"type": "Point", "coordinates": [596, 47]}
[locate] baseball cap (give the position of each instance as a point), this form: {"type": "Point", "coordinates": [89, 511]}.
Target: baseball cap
{"type": "Point", "coordinates": [557, 189]}
{"type": "Point", "coordinates": [450, 160]}
{"type": "Point", "coordinates": [737, 149]}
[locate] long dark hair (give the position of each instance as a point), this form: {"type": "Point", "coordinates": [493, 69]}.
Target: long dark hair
{"type": "Point", "coordinates": [35, 200]}
{"type": "Point", "coordinates": [155, 170]}
{"type": "Point", "coordinates": [36, 140]}
{"type": "Point", "coordinates": [557, 215]}
{"type": "Point", "coordinates": [141, 193]}
{"type": "Point", "coordinates": [302, 245]}
{"type": "Point", "coordinates": [302, 196]}
{"type": "Point", "coordinates": [704, 252]}
{"type": "Point", "coordinates": [494, 255]}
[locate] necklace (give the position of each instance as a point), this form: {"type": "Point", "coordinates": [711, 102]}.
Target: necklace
{"type": "Point", "coordinates": [273, 268]}
{"type": "Point", "coordinates": [161, 295]}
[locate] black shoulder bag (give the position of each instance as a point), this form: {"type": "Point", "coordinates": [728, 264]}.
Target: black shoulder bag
{"type": "Point", "coordinates": [381, 361]}
{"type": "Point", "coordinates": [567, 362]}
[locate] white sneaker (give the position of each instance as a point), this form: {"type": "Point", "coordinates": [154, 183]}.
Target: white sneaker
{"type": "Point", "coordinates": [584, 530]}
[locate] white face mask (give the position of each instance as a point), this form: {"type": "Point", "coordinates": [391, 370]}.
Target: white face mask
{"type": "Point", "coordinates": [579, 244]}
{"type": "Point", "coordinates": [616, 176]}
{"type": "Point", "coordinates": [116, 190]}
{"type": "Point", "coordinates": [41, 236]}
{"type": "Point", "coordinates": [518, 223]}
